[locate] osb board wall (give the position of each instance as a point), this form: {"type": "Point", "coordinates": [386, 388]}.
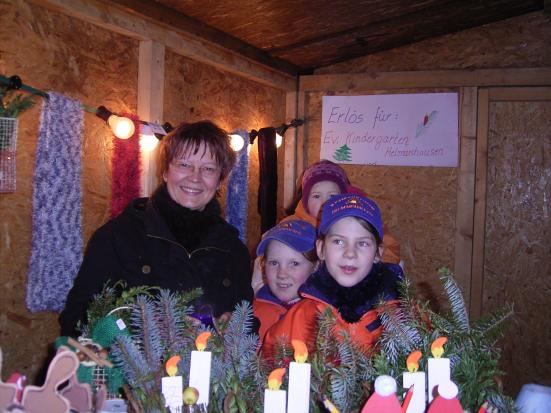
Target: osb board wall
{"type": "Point", "coordinates": [54, 52]}
{"type": "Point", "coordinates": [517, 42]}
{"type": "Point", "coordinates": [517, 264]}
{"type": "Point", "coordinates": [521, 41]}
{"type": "Point", "coordinates": [418, 204]}
{"type": "Point", "coordinates": [195, 91]}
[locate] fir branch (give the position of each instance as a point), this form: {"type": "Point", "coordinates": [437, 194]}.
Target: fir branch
{"type": "Point", "coordinates": [12, 106]}
{"type": "Point", "coordinates": [455, 297]}
{"type": "Point", "coordinates": [128, 357]}
{"type": "Point", "coordinates": [492, 324]}
{"type": "Point", "coordinates": [146, 331]}
{"type": "Point", "coordinates": [400, 335]}
{"type": "Point", "coordinates": [171, 317]}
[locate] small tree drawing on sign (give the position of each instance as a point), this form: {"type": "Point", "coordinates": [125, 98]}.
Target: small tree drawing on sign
{"type": "Point", "coordinates": [342, 154]}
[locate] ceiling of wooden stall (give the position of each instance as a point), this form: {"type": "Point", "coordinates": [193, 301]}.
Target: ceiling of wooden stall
{"type": "Point", "coordinates": [297, 36]}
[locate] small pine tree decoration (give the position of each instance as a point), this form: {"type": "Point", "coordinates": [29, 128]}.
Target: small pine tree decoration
{"type": "Point", "coordinates": [343, 154]}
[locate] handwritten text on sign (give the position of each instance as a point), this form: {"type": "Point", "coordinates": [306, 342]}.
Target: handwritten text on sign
{"type": "Point", "coordinates": [401, 129]}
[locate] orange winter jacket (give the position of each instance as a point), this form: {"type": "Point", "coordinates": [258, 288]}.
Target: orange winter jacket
{"type": "Point", "coordinates": [268, 309]}
{"type": "Point", "coordinates": [321, 292]}
{"type": "Point", "coordinates": [391, 252]}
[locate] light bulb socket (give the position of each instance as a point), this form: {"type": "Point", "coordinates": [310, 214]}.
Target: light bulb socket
{"type": "Point", "coordinates": [103, 113]}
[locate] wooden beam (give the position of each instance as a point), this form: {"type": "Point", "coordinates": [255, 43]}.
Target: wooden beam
{"type": "Point", "coordinates": [290, 161]}
{"type": "Point", "coordinates": [479, 229]}
{"type": "Point", "coordinates": [151, 81]}
{"type": "Point", "coordinates": [465, 190]}
{"type": "Point", "coordinates": [118, 19]}
{"type": "Point", "coordinates": [427, 79]}
{"type": "Point", "coordinates": [158, 13]}
{"type": "Point", "coordinates": [517, 94]}
{"type": "Point", "coordinates": [302, 134]}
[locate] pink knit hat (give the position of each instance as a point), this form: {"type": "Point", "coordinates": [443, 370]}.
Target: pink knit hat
{"type": "Point", "coordinates": [323, 170]}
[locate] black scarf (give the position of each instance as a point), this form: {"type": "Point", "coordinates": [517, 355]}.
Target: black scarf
{"type": "Point", "coordinates": [353, 302]}
{"type": "Point", "coordinates": [188, 226]}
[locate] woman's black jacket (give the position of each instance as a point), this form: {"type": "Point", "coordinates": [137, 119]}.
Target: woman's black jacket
{"type": "Point", "coordinates": [138, 247]}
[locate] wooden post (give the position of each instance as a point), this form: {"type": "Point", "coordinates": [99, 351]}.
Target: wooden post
{"type": "Point", "coordinates": [477, 279]}
{"type": "Point", "coordinates": [465, 190]}
{"type": "Point", "coordinates": [150, 103]}
{"type": "Point", "coordinates": [290, 140]}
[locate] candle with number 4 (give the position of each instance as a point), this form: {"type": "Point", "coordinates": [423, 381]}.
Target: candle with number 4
{"type": "Point", "coordinates": [172, 385]}
{"type": "Point", "coordinates": [199, 371]}
{"type": "Point", "coordinates": [438, 366]}
{"type": "Point", "coordinates": [274, 398]}
{"type": "Point", "coordinates": [415, 379]}
{"type": "Point", "coordinates": [298, 399]}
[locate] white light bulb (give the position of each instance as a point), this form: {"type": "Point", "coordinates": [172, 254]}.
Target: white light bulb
{"type": "Point", "coordinates": [279, 140]}
{"type": "Point", "coordinates": [237, 142]}
{"type": "Point", "coordinates": [123, 128]}
{"type": "Point", "coordinates": [148, 142]}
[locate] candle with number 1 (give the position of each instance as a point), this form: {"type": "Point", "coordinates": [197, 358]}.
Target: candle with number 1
{"type": "Point", "coordinates": [274, 398]}
{"type": "Point", "coordinates": [199, 371]}
{"type": "Point", "coordinates": [418, 401]}
{"type": "Point", "coordinates": [438, 366]}
{"type": "Point", "coordinates": [298, 399]}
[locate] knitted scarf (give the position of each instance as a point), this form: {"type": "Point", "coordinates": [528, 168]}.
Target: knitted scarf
{"type": "Point", "coordinates": [125, 163]}
{"type": "Point", "coordinates": [188, 226]}
{"type": "Point", "coordinates": [237, 193]}
{"type": "Point", "coordinates": [353, 302]}
{"type": "Point", "coordinates": [57, 234]}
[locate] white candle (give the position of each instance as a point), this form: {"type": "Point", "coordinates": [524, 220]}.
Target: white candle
{"type": "Point", "coordinates": [172, 391]}
{"type": "Point", "coordinates": [199, 374]}
{"type": "Point", "coordinates": [418, 402]}
{"type": "Point", "coordinates": [298, 400]}
{"type": "Point", "coordinates": [274, 401]}
{"type": "Point", "coordinates": [439, 372]}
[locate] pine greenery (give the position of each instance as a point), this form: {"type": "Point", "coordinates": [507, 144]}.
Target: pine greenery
{"type": "Point", "coordinates": [160, 327]}
{"type": "Point", "coordinates": [12, 103]}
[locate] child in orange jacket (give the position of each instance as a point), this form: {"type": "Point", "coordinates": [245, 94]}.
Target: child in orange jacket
{"type": "Point", "coordinates": [288, 258]}
{"type": "Point", "coordinates": [351, 279]}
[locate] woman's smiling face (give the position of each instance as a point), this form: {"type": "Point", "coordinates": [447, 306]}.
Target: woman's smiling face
{"type": "Point", "coordinates": [193, 179]}
{"type": "Point", "coordinates": [286, 270]}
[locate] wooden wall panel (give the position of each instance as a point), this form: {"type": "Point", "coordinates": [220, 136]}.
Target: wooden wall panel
{"type": "Point", "coordinates": [517, 263]}
{"type": "Point", "coordinates": [195, 91]}
{"type": "Point", "coordinates": [54, 52]}
{"type": "Point", "coordinates": [51, 51]}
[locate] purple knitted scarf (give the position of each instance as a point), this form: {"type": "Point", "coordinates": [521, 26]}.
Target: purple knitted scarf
{"type": "Point", "coordinates": [57, 234]}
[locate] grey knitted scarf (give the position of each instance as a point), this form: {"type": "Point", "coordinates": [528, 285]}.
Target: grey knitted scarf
{"type": "Point", "coordinates": [57, 234]}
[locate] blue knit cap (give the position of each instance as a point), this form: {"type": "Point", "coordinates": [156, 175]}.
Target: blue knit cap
{"type": "Point", "coordinates": [296, 234]}
{"type": "Point", "coordinates": [350, 205]}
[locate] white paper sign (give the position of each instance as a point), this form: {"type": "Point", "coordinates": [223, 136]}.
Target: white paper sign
{"type": "Point", "coordinates": [402, 129]}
